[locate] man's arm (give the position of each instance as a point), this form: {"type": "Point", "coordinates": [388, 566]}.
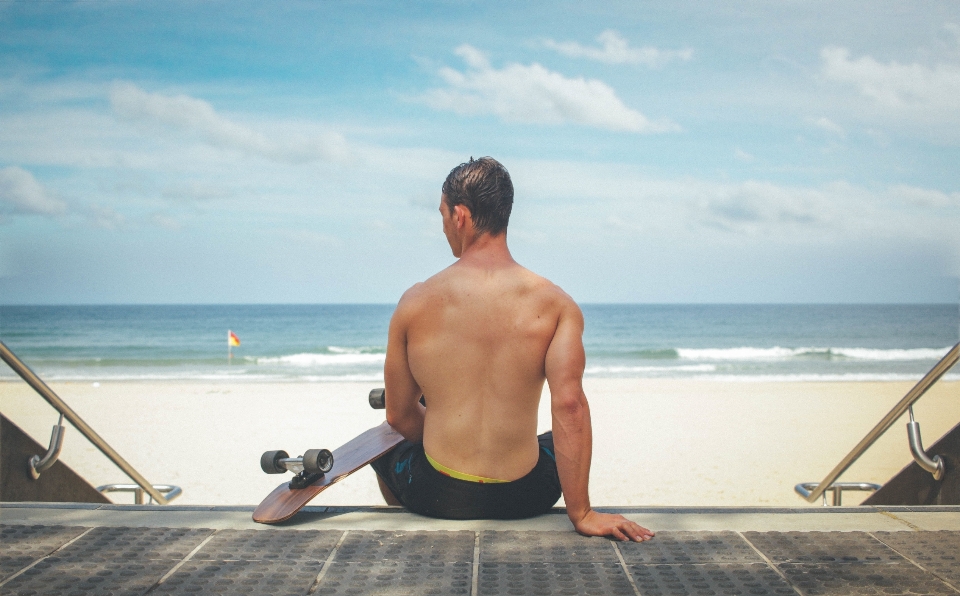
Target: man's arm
{"type": "Point", "coordinates": [404, 411]}
{"type": "Point", "coordinates": [572, 432]}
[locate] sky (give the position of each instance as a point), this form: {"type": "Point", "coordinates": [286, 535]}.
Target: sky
{"type": "Point", "coordinates": [661, 152]}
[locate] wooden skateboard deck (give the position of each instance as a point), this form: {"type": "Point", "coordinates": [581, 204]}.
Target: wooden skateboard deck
{"type": "Point", "coordinates": [284, 502]}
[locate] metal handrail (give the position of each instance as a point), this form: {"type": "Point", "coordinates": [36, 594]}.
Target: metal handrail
{"type": "Point", "coordinates": [58, 404]}
{"type": "Point", "coordinates": [898, 410]}
{"type": "Point", "coordinates": [171, 491]}
{"type": "Point", "coordinates": [837, 488]}
{"type": "Point", "coordinates": [934, 465]}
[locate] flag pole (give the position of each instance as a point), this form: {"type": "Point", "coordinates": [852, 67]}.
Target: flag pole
{"type": "Point", "coordinates": [229, 349]}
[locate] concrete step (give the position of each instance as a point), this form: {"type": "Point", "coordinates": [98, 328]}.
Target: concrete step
{"type": "Point", "coordinates": [109, 549]}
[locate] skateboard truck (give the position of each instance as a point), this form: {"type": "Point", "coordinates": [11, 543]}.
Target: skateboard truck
{"type": "Point", "coordinates": [309, 467]}
{"type": "Point", "coordinates": [378, 399]}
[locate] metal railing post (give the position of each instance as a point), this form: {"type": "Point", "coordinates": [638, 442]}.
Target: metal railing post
{"type": "Point", "coordinates": [58, 404]}
{"type": "Point", "coordinates": [908, 400]}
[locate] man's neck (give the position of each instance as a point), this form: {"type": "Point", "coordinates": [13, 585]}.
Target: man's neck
{"type": "Point", "coordinates": [487, 251]}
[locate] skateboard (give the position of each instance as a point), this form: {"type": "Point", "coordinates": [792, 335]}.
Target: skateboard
{"type": "Point", "coordinates": [318, 469]}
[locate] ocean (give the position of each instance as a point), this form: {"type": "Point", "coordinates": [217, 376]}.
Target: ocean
{"type": "Point", "coordinates": [323, 343]}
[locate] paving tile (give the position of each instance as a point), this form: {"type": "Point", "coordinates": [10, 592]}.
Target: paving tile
{"type": "Point", "coordinates": [254, 545]}
{"type": "Point", "coordinates": [938, 552]}
{"type": "Point", "coordinates": [22, 545]}
{"type": "Point", "coordinates": [526, 579]}
{"type": "Point", "coordinates": [545, 547]}
{"type": "Point", "coordinates": [690, 547]}
{"type": "Point", "coordinates": [110, 561]}
{"type": "Point", "coordinates": [709, 579]}
{"type": "Point", "coordinates": [248, 577]}
{"type": "Point", "coordinates": [76, 575]}
{"type": "Point", "coordinates": [396, 578]}
{"type": "Point", "coordinates": [437, 546]}
{"type": "Point", "coordinates": [111, 543]}
{"type": "Point", "coordinates": [848, 579]}
{"type": "Point", "coordinates": [822, 547]}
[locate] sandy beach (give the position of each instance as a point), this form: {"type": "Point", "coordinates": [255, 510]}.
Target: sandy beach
{"type": "Point", "coordinates": [656, 441]}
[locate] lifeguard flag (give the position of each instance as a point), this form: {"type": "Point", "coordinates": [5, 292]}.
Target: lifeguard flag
{"type": "Point", "coordinates": [232, 339]}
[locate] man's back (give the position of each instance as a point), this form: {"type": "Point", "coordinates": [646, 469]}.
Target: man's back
{"type": "Point", "coordinates": [478, 340]}
{"type": "Point", "coordinates": [477, 337]}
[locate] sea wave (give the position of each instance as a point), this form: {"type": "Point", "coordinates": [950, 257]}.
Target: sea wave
{"type": "Point", "coordinates": [363, 350]}
{"type": "Point", "coordinates": [779, 353]}
{"type": "Point", "coordinates": [630, 372]}
{"type": "Point", "coordinates": [232, 376]}
{"type": "Point", "coordinates": [599, 370]}
{"type": "Point", "coordinates": [807, 378]}
{"type": "Point", "coordinates": [314, 359]}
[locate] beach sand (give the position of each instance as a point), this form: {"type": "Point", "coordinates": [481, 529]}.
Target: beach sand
{"type": "Point", "coordinates": [656, 441]}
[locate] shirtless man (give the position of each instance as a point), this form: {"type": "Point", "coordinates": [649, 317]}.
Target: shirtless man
{"type": "Point", "coordinates": [477, 341]}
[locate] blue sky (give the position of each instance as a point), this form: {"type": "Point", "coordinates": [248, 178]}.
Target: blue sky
{"type": "Point", "coordinates": [189, 152]}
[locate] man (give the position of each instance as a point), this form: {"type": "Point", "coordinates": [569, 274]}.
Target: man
{"type": "Point", "coordinates": [477, 341]}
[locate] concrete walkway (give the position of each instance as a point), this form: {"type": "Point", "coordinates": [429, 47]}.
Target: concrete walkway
{"type": "Point", "coordinates": [129, 549]}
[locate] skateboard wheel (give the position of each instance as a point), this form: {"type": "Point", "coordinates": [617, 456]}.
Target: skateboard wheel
{"type": "Point", "coordinates": [270, 462]}
{"type": "Point", "coordinates": [378, 399]}
{"type": "Point", "coordinates": [317, 461]}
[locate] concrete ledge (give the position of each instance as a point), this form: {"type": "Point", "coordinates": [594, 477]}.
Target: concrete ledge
{"type": "Point", "coordinates": [741, 519]}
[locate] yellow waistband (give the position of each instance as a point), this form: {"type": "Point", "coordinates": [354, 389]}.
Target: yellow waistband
{"type": "Point", "coordinates": [460, 475]}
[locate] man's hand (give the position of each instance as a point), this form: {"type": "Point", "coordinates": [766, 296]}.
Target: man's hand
{"type": "Point", "coordinates": [610, 524]}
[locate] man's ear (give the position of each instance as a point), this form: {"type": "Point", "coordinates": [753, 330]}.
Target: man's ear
{"type": "Point", "coordinates": [461, 215]}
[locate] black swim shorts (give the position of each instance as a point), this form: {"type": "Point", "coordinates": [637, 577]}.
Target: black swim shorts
{"type": "Point", "coordinates": [424, 490]}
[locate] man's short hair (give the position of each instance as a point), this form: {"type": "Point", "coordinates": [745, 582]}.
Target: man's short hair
{"type": "Point", "coordinates": [483, 186]}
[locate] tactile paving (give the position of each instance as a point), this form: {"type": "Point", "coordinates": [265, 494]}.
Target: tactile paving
{"type": "Point", "coordinates": [22, 545]}
{"type": "Point", "coordinates": [110, 560]}
{"type": "Point", "coordinates": [110, 543]}
{"type": "Point", "coordinates": [396, 578]}
{"type": "Point", "coordinates": [822, 547]}
{"type": "Point", "coordinates": [282, 578]}
{"type": "Point", "coordinates": [862, 578]}
{"type": "Point", "coordinates": [76, 575]}
{"type": "Point", "coordinates": [255, 545]}
{"type": "Point", "coordinates": [938, 552]}
{"type": "Point", "coordinates": [708, 579]}
{"type": "Point", "coordinates": [526, 579]}
{"type": "Point", "coordinates": [544, 547]}
{"type": "Point", "coordinates": [442, 546]}
{"type": "Point", "coordinates": [690, 547]}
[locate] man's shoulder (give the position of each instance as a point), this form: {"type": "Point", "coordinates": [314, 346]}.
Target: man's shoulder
{"type": "Point", "coordinates": [414, 295]}
{"type": "Point", "coordinates": [522, 283]}
{"type": "Point", "coordinates": [421, 294]}
{"type": "Point", "coordinates": [549, 291]}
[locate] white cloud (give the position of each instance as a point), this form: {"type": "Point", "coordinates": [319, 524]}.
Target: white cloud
{"type": "Point", "coordinates": [311, 239]}
{"type": "Point", "coordinates": [923, 197]}
{"type": "Point", "coordinates": [618, 223]}
{"type": "Point", "coordinates": [198, 117]}
{"type": "Point", "coordinates": [911, 87]}
{"type": "Point", "coordinates": [20, 193]}
{"type": "Point", "coordinates": [743, 155]}
{"type": "Point", "coordinates": [701, 211]}
{"type": "Point", "coordinates": [614, 49]}
{"type": "Point", "coordinates": [533, 94]}
{"type": "Point", "coordinates": [194, 190]}
{"type": "Point", "coordinates": [953, 29]}
{"type": "Point", "coordinates": [751, 205]}
{"type": "Point", "coordinates": [106, 217]}
{"type": "Point", "coordinates": [824, 123]}
{"type": "Point", "coordinates": [166, 222]}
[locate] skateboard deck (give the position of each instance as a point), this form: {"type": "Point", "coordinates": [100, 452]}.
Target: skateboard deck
{"type": "Point", "coordinates": [284, 502]}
